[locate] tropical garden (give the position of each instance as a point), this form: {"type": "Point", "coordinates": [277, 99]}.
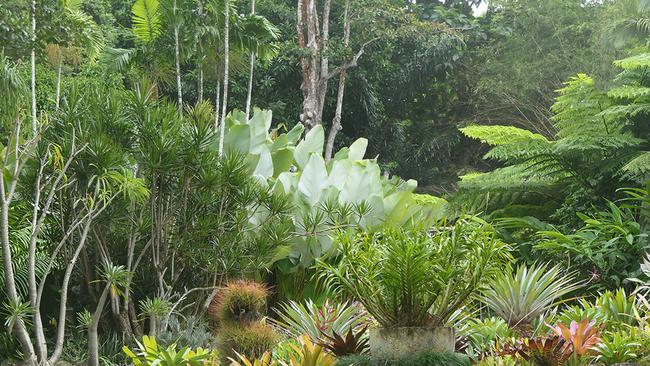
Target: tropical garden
{"type": "Point", "coordinates": [325, 182]}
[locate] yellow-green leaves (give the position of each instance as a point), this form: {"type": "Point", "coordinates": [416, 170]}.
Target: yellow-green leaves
{"type": "Point", "coordinates": [146, 19]}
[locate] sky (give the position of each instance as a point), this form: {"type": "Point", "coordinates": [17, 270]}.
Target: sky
{"type": "Point", "coordinates": [480, 9]}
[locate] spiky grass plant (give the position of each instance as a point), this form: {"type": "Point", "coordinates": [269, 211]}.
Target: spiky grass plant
{"type": "Point", "coordinates": [251, 340]}
{"type": "Point", "coordinates": [239, 302]}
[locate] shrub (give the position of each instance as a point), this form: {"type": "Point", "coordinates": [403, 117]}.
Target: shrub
{"type": "Point", "coordinates": [238, 303]}
{"type": "Point", "coordinates": [251, 340]}
{"type": "Point", "coordinates": [190, 331]}
{"type": "Point", "coordinates": [424, 359]}
{"type": "Point", "coordinates": [150, 353]}
{"type": "Point", "coordinates": [413, 277]}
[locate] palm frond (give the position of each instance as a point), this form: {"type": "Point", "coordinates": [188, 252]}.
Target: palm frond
{"type": "Point", "coordinates": [146, 20]}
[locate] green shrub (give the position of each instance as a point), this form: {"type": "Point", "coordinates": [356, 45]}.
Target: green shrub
{"type": "Point", "coordinates": [424, 359]}
{"type": "Point", "coordinates": [414, 277]}
{"type": "Point", "coordinates": [251, 340]}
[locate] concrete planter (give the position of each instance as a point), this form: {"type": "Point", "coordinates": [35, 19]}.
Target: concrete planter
{"type": "Point", "coordinates": [395, 343]}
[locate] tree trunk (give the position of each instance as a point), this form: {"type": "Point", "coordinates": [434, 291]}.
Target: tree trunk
{"type": "Point", "coordinates": [200, 54]}
{"type": "Point", "coordinates": [336, 122]}
{"type": "Point", "coordinates": [226, 65]}
{"type": "Point", "coordinates": [58, 82]}
{"type": "Point", "coordinates": [315, 68]}
{"type": "Point", "coordinates": [63, 303]}
{"type": "Point", "coordinates": [217, 101]}
{"type": "Point", "coordinates": [7, 191]}
{"type": "Point", "coordinates": [177, 55]}
{"type": "Point", "coordinates": [33, 68]}
{"type": "Point", "coordinates": [251, 66]}
{"type": "Point", "coordinates": [93, 341]}
{"type": "Point", "coordinates": [20, 330]}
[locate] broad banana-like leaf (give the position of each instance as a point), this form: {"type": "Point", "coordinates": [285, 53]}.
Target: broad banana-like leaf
{"type": "Point", "coordinates": [259, 126]}
{"type": "Point", "coordinates": [282, 160]}
{"type": "Point", "coordinates": [293, 136]}
{"type": "Point", "coordinates": [238, 139]}
{"type": "Point", "coordinates": [264, 167]}
{"type": "Point", "coordinates": [313, 143]}
{"type": "Point", "coordinates": [313, 179]}
{"type": "Point", "coordinates": [363, 181]}
{"type": "Point", "coordinates": [358, 149]}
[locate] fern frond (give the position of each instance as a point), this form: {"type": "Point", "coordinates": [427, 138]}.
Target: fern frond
{"type": "Point", "coordinates": [634, 62]}
{"type": "Point", "coordinates": [638, 168]}
{"type": "Point", "coordinates": [499, 135]}
{"type": "Point", "coordinates": [629, 92]}
{"type": "Point", "coordinates": [519, 152]}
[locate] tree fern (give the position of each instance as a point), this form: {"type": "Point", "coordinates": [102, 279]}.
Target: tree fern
{"type": "Point", "coordinates": [500, 135]}
{"type": "Point", "coordinates": [638, 168]}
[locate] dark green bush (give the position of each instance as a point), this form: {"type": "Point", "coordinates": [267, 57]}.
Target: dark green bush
{"type": "Point", "coordinates": [424, 359]}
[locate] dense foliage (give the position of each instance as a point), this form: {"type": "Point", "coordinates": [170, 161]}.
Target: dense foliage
{"type": "Point", "coordinates": [260, 183]}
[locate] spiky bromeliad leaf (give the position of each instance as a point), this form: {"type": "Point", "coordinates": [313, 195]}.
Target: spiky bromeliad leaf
{"type": "Point", "coordinates": [146, 20]}
{"type": "Point", "coordinates": [528, 293]}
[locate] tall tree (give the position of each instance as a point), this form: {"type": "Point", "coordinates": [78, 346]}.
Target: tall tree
{"type": "Point", "coordinates": [313, 37]}
{"type": "Point", "coordinates": [226, 67]}
{"type": "Point", "coordinates": [33, 66]}
{"type": "Point", "coordinates": [177, 56]}
{"type": "Point", "coordinates": [336, 122]}
{"type": "Point", "coordinates": [250, 72]}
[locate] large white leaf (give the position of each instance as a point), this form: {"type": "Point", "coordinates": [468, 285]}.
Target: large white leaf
{"type": "Point", "coordinates": [264, 166]}
{"type": "Point", "coordinates": [358, 149]}
{"type": "Point", "coordinates": [313, 143]}
{"type": "Point", "coordinates": [313, 179]}
{"type": "Point", "coordinates": [363, 180]}
{"type": "Point", "coordinates": [260, 124]}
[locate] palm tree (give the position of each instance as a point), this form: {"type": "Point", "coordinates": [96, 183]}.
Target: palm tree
{"type": "Point", "coordinates": [246, 34]}
{"type": "Point", "coordinates": [146, 30]}
{"type": "Point", "coordinates": [85, 35]}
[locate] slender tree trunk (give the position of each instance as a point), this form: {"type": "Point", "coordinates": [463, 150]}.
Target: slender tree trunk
{"type": "Point", "coordinates": [251, 66]}
{"type": "Point", "coordinates": [33, 68]}
{"type": "Point", "coordinates": [217, 102]}
{"type": "Point", "coordinates": [177, 56]}
{"type": "Point", "coordinates": [58, 82]}
{"type": "Point", "coordinates": [63, 303]}
{"type": "Point", "coordinates": [226, 66]}
{"type": "Point", "coordinates": [7, 190]}
{"type": "Point", "coordinates": [20, 330]}
{"type": "Point", "coordinates": [93, 341]}
{"type": "Point", "coordinates": [336, 122]}
{"type": "Point", "coordinates": [200, 54]}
